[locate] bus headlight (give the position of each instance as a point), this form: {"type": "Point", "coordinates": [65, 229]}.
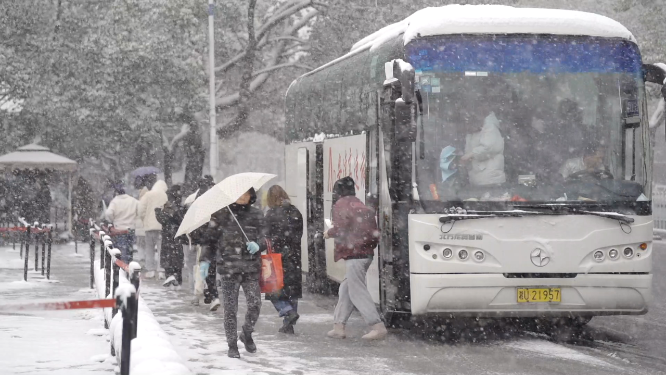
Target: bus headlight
{"type": "Point", "coordinates": [598, 256]}
{"type": "Point", "coordinates": [613, 254]}
{"type": "Point", "coordinates": [447, 253]}
{"type": "Point", "coordinates": [479, 256]}
{"type": "Point", "coordinates": [463, 254]}
{"type": "Point", "coordinates": [628, 252]}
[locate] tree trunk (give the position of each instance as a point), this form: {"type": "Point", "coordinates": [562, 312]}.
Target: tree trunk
{"type": "Point", "coordinates": [248, 68]}
{"type": "Point", "coordinates": [168, 161]}
{"type": "Point", "coordinates": [195, 157]}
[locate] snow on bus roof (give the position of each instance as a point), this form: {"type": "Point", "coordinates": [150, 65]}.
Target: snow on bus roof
{"type": "Point", "coordinates": [496, 19]}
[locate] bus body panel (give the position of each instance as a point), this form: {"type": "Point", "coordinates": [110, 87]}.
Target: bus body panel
{"type": "Point", "coordinates": [588, 286]}
{"type": "Point", "coordinates": [493, 295]}
{"type": "Point", "coordinates": [569, 241]}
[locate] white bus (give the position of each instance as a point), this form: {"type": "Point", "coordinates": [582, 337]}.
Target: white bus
{"type": "Point", "coordinates": [506, 151]}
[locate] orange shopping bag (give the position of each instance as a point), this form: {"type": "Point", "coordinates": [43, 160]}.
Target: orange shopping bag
{"type": "Point", "coordinates": [272, 276]}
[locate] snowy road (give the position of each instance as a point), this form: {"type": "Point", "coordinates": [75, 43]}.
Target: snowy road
{"type": "Point", "coordinates": [609, 345]}
{"type": "Point", "coordinates": [51, 342]}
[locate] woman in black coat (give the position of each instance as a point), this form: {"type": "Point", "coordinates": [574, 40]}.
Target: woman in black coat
{"type": "Point", "coordinates": [284, 228]}
{"type": "Point", "coordinates": [171, 256]}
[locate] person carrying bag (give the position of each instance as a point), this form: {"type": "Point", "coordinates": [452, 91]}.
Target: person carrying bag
{"type": "Point", "coordinates": [284, 229]}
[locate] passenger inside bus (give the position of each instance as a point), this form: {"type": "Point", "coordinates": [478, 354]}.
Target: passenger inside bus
{"type": "Point", "coordinates": [590, 161]}
{"type": "Point", "coordinates": [484, 144]}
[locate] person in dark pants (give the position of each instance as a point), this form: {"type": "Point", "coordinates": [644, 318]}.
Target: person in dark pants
{"type": "Point", "coordinates": [207, 258]}
{"type": "Point", "coordinates": [170, 217]}
{"type": "Point", "coordinates": [239, 265]}
{"type": "Point", "coordinates": [284, 228]}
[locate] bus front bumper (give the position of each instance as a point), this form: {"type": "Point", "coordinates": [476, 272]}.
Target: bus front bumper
{"type": "Point", "coordinates": [493, 295]}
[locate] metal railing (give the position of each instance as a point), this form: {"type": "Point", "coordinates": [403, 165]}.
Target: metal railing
{"type": "Point", "coordinates": [127, 296]}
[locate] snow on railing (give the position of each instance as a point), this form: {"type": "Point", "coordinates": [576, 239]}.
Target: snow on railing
{"type": "Point", "coordinates": [141, 349]}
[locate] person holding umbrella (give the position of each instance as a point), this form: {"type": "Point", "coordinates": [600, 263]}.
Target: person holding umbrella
{"type": "Point", "coordinates": [234, 229]}
{"type": "Point", "coordinates": [235, 233]}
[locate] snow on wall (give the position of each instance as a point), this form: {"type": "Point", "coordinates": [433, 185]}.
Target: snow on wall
{"type": "Point", "coordinates": [152, 352]}
{"type": "Point", "coordinates": [496, 19]}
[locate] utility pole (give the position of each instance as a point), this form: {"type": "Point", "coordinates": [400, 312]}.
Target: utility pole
{"type": "Point", "coordinates": [211, 87]}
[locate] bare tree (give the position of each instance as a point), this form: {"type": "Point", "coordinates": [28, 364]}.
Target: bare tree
{"type": "Point", "coordinates": [271, 46]}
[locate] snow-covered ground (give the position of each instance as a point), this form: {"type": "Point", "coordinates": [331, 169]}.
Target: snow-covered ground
{"type": "Point", "coordinates": [74, 342]}
{"type": "Point", "coordinates": [198, 336]}
{"type": "Point", "coordinates": [50, 342]}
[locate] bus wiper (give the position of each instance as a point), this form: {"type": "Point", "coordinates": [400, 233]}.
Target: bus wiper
{"type": "Point", "coordinates": [563, 208]}
{"type": "Point", "coordinates": [467, 215]}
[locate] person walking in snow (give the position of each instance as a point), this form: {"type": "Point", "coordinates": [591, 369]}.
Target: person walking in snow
{"type": "Point", "coordinates": [284, 228]}
{"type": "Point", "coordinates": [238, 265]}
{"type": "Point", "coordinates": [122, 213]}
{"type": "Point", "coordinates": [155, 198]}
{"type": "Point", "coordinates": [356, 235]}
{"type": "Point", "coordinates": [207, 264]}
{"type": "Point", "coordinates": [139, 232]}
{"type": "Point", "coordinates": [171, 254]}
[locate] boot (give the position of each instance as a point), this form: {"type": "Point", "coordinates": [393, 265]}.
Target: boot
{"type": "Point", "coordinates": [171, 280]}
{"type": "Point", "coordinates": [378, 332]}
{"type": "Point", "coordinates": [290, 319]}
{"type": "Point", "coordinates": [338, 331]}
{"type": "Point", "coordinates": [233, 352]}
{"type": "Point", "coordinates": [288, 329]}
{"type": "Point", "coordinates": [215, 304]}
{"type": "Point", "coordinates": [246, 339]}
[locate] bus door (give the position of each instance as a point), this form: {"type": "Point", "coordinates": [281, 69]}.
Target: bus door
{"type": "Point", "coordinates": [346, 156]}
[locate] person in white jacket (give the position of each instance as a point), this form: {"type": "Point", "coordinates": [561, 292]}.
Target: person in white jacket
{"type": "Point", "coordinates": [155, 198]}
{"type": "Point", "coordinates": [122, 212]}
{"type": "Point", "coordinates": [484, 153]}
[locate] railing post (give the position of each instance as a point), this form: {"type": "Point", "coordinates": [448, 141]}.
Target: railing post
{"type": "Point", "coordinates": [27, 253]}
{"type": "Point", "coordinates": [107, 273]}
{"type": "Point", "coordinates": [48, 260]}
{"type": "Point", "coordinates": [115, 253]}
{"type": "Point", "coordinates": [126, 298]}
{"type": "Point", "coordinates": [36, 247]}
{"type": "Point", "coordinates": [91, 231]}
{"type": "Point", "coordinates": [135, 279]}
{"type": "Point", "coordinates": [102, 249]}
{"type": "Point", "coordinates": [22, 238]}
{"type": "Point", "coordinates": [43, 236]}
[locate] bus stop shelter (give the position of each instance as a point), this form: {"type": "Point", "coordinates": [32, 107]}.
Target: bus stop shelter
{"type": "Point", "coordinates": [39, 158]}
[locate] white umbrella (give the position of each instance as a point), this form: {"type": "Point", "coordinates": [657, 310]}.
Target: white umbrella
{"type": "Point", "coordinates": [220, 196]}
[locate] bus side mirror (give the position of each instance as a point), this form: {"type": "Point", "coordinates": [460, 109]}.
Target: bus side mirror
{"type": "Point", "coordinates": [655, 73]}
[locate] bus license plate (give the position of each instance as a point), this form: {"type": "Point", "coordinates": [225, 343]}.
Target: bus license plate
{"type": "Point", "coordinates": [539, 295]}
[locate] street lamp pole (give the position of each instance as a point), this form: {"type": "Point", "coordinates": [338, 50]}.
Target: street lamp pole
{"type": "Point", "coordinates": [211, 88]}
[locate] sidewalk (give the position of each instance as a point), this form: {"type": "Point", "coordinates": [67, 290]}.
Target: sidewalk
{"type": "Point", "coordinates": [198, 336]}
{"type": "Point", "coordinates": [51, 342]}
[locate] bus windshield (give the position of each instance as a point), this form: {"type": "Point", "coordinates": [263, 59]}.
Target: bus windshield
{"type": "Point", "coordinates": [530, 118]}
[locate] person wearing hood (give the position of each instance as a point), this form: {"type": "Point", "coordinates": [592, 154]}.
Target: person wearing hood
{"type": "Point", "coordinates": [171, 254]}
{"type": "Point", "coordinates": [356, 236]}
{"type": "Point", "coordinates": [236, 233]}
{"type": "Point", "coordinates": [155, 198]}
{"type": "Point", "coordinates": [284, 228]}
{"type": "Point", "coordinates": [122, 213]}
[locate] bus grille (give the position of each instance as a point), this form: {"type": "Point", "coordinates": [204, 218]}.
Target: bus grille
{"type": "Point", "coordinates": [540, 275]}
